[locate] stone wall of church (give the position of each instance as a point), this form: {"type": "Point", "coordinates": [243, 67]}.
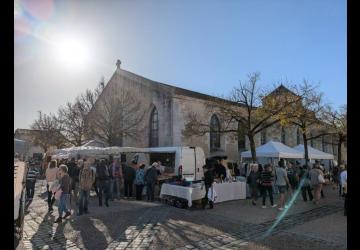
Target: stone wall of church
{"type": "Point", "coordinates": [184, 105]}
{"type": "Point", "coordinates": [150, 97]}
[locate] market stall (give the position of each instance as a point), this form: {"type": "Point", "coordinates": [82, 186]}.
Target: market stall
{"type": "Point", "coordinates": [315, 154]}
{"type": "Point", "coordinates": [272, 152]}
{"type": "Point", "coordinates": [224, 191]}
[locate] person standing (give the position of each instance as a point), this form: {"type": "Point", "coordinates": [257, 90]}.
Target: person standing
{"type": "Point", "coordinates": [95, 162]}
{"type": "Point", "coordinates": [266, 181]}
{"type": "Point", "coordinates": [65, 193]}
{"type": "Point", "coordinates": [30, 182]}
{"type": "Point", "coordinates": [253, 180]}
{"type": "Point", "coordinates": [335, 177]}
{"type": "Point", "coordinates": [220, 170]}
{"type": "Point", "coordinates": [86, 181]}
{"type": "Point", "coordinates": [281, 181]}
{"type": "Point", "coordinates": [102, 175]}
{"type": "Point", "coordinates": [343, 181]}
{"type": "Point", "coordinates": [160, 168]}
{"type": "Point", "coordinates": [139, 181]}
{"type": "Point", "coordinates": [74, 171]}
{"type": "Point", "coordinates": [129, 177]}
{"type": "Point", "coordinates": [315, 183]}
{"type": "Point", "coordinates": [51, 176]}
{"type": "Point", "coordinates": [306, 188]}
{"type": "Point", "coordinates": [150, 178]}
{"type": "Point", "coordinates": [322, 171]}
{"type": "Point", "coordinates": [117, 173]}
{"type": "Point", "coordinates": [111, 167]}
{"type": "Point", "coordinates": [260, 168]}
{"type": "Point", "coordinates": [236, 170]}
{"type": "Point", "coordinates": [292, 176]}
{"type": "Point", "coordinates": [208, 181]}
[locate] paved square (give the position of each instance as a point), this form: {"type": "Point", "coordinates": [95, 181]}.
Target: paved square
{"type": "Point", "coordinates": [130, 224]}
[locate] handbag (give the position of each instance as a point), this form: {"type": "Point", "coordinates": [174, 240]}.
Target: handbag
{"type": "Point", "coordinates": [321, 179]}
{"type": "Point", "coordinates": [212, 194]}
{"type": "Point", "coordinates": [55, 186]}
{"type": "Point", "coordinates": [58, 194]}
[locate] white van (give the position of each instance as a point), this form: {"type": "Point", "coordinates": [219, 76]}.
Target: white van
{"type": "Point", "coordinates": [184, 161]}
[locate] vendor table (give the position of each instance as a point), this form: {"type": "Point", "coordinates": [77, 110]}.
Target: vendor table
{"type": "Point", "coordinates": [224, 191]}
{"type": "Point", "coordinates": [187, 193]}
{"type": "Point", "coordinates": [230, 191]}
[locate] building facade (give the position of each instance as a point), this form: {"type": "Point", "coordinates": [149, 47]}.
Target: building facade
{"type": "Point", "coordinates": [167, 109]}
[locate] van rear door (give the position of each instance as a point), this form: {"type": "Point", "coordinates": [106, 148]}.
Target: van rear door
{"type": "Point", "coordinates": [188, 162]}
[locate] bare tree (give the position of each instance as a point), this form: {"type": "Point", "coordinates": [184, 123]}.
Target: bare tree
{"type": "Point", "coordinates": [337, 121]}
{"type": "Point", "coordinates": [72, 119]}
{"type": "Point", "coordinates": [250, 107]}
{"type": "Point", "coordinates": [116, 117]}
{"type": "Point", "coordinates": [47, 132]}
{"type": "Point", "coordinates": [306, 116]}
{"type": "Point", "coordinates": [73, 116]}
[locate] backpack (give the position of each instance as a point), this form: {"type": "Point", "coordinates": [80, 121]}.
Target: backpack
{"type": "Point", "coordinates": [102, 172]}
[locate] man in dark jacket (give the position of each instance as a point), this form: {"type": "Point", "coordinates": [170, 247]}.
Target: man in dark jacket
{"type": "Point", "coordinates": [30, 182]}
{"type": "Point", "coordinates": [74, 172]}
{"type": "Point", "coordinates": [253, 180]}
{"type": "Point", "coordinates": [129, 177]}
{"type": "Point", "coordinates": [102, 175]}
{"type": "Point", "coordinates": [150, 178]}
{"type": "Point", "coordinates": [220, 170]}
{"type": "Point", "coordinates": [208, 179]}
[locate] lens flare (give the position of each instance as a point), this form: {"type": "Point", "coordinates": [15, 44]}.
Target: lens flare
{"type": "Point", "coordinates": [39, 9]}
{"type": "Point", "coordinates": [282, 215]}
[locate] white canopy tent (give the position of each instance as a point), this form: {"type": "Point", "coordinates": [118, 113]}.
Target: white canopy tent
{"type": "Point", "coordinates": [314, 153]}
{"type": "Point", "coordinates": [274, 149]}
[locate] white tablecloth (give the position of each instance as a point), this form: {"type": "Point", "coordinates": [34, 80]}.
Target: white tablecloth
{"type": "Point", "coordinates": [188, 193]}
{"type": "Point", "coordinates": [230, 191]}
{"type": "Point", "coordinates": [224, 192]}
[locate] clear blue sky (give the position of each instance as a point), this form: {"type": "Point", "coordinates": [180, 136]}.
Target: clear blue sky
{"type": "Point", "coordinates": [205, 46]}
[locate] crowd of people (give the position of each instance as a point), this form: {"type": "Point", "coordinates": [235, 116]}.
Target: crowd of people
{"type": "Point", "coordinates": [285, 179]}
{"type": "Point", "coordinates": [71, 182]}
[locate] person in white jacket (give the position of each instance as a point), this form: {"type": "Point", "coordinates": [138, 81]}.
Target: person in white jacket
{"type": "Point", "coordinates": [51, 175]}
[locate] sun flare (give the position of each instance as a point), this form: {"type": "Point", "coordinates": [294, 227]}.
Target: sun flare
{"type": "Point", "coordinates": [72, 52]}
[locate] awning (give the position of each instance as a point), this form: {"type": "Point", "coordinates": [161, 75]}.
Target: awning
{"type": "Point", "coordinates": [274, 149]}
{"type": "Point", "coordinates": [314, 153]}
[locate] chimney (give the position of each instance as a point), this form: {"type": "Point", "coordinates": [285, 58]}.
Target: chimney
{"type": "Point", "coordinates": [118, 63]}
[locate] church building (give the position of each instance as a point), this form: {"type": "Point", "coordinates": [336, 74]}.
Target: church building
{"type": "Point", "coordinates": [167, 108]}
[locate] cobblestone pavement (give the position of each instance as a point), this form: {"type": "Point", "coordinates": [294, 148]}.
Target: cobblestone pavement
{"type": "Point", "coordinates": [130, 224]}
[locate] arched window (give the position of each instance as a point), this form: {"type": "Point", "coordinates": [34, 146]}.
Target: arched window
{"type": "Point", "coordinates": [298, 136]}
{"type": "Point", "coordinates": [263, 137]}
{"type": "Point", "coordinates": [154, 128]}
{"type": "Point", "coordinates": [283, 135]}
{"type": "Point", "coordinates": [214, 133]}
